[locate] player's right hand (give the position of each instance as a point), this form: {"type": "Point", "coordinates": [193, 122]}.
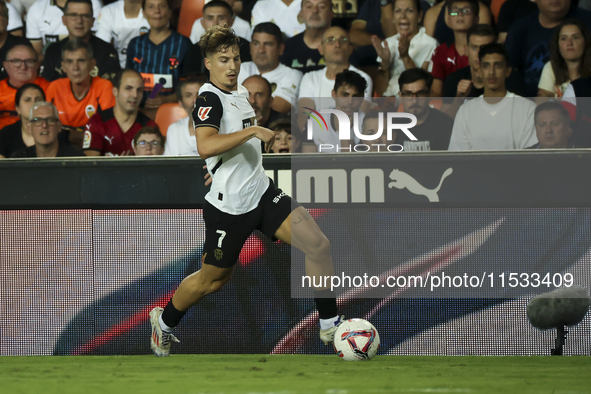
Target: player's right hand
{"type": "Point", "coordinates": [265, 135]}
{"type": "Point", "coordinates": [464, 87]}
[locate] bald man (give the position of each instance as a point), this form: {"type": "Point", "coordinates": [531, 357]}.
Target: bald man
{"type": "Point", "coordinates": [261, 99]}
{"type": "Point", "coordinates": [336, 48]}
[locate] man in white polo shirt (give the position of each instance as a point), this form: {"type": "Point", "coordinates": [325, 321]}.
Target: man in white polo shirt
{"type": "Point", "coordinates": [265, 48]}
{"type": "Point", "coordinates": [336, 48]}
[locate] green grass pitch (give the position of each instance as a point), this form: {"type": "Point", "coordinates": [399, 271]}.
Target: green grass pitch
{"type": "Point", "coordinates": [293, 374]}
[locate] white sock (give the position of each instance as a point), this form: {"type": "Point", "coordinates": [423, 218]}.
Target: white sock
{"type": "Point", "coordinates": [325, 324]}
{"type": "Point", "coordinates": [163, 326]}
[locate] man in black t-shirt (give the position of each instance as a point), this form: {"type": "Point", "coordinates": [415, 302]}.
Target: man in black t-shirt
{"type": "Point", "coordinates": [433, 129]}
{"type": "Point", "coordinates": [78, 20]}
{"type": "Point", "coordinates": [301, 51]}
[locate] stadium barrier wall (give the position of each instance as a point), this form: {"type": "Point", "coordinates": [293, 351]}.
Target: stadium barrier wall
{"type": "Point", "coordinates": [90, 245]}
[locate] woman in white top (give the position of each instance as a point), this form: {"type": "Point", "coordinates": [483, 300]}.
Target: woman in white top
{"type": "Point", "coordinates": [410, 48]}
{"type": "Point", "coordinates": [570, 58]}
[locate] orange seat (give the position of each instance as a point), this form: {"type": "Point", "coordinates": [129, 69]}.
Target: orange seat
{"type": "Point", "coordinates": [168, 114]}
{"type": "Point", "coordinates": [191, 10]}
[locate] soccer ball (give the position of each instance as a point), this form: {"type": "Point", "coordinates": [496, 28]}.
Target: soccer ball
{"type": "Point", "coordinates": [356, 339]}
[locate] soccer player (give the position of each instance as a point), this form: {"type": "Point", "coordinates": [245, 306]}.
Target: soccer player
{"type": "Point", "coordinates": [242, 198]}
{"type": "Point", "coordinates": [111, 132]}
{"type": "Point", "coordinates": [265, 48]}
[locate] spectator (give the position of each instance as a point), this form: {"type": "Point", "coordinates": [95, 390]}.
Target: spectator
{"type": "Point", "coordinates": [336, 49]}
{"type": "Point", "coordinates": [467, 81]}
{"type": "Point", "coordinates": [80, 95]}
{"type": "Point", "coordinates": [180, 137]}
{"type": "Point", "coordinates": [18, 135]}
{"type": "Point", "coordinates": [348, 96]}
{"type": "Point", "coordinates": [110, 132]}
{"type": "Point", "coordinates": [214, 13]}
{"type": "Point", "coordinates": [261, 99]}
{"type": "Point", "coordinates": [219, 12]}
{"type": "Point", "coordinates": [45, 125]}
{"type": "Point", "coordinates": [149, 141]}
{"type": "Point", "coordinates": [437, 21]}
{"type": "Point", "coordinates": [285, 140]}
{"type": "Point", "coordinates": [78, 20]}
{"type": "Point", "coordinates": [463, 14]}
{"type": "Point", "coordinates": [511, 11]}
{"type": "Point", "coordinates": [301, 51]}
{"type": "Point", "coordinates": [158, 55]}
{"type": "Point", "coordinates": [45, 22]}
{"type": "Point", "coordinates": [411, 47]}
{"type": "Point", "coordinates": [265, 49]}
{"type": "Point", "coordinates": [370, 126]}
{"type": "Point", "coordinates": [570, 58]}
{"type": "Point", "coordinates": [119, 23]}
{"type": "Point", "coordinates": [499, 119]}
{"type": "Point", "coordinates": [7, 39]}
{"type": "Point", "coordinates": [433, 128]}
{"type": "Point", "coordinates": [553, 126]}
{"type": "Point", "coordinates": [21, 65]}
{"type": "Point", "coordinates": [529, 38]}
{"type": "Point", "coordinates": [284, 13]}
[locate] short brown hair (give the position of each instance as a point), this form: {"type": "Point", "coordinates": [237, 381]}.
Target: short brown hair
{"type": "Point", "coordinates": [217, 39]}
{"type": "Point", "coordinates": [154, 130]}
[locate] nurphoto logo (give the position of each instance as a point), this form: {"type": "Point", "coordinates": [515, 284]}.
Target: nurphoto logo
{"type": "Point", "coordinates": [344, 131]}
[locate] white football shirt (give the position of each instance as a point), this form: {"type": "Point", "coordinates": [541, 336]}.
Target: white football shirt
{"type": "Point", "coordinates": [240, 27]}
{"type": "Point", "coordinates": [286, 17]}
{"type": "Point", "coordinates": [285, 81]}
{"type": "Point", "coordinates": [44, 21]}
{"type": "Point", "coordinates": [239, 180]}
{"type": "Point", "coordinates": [113, 25]}
{"type": "Point", "coordinates": [179, 142]}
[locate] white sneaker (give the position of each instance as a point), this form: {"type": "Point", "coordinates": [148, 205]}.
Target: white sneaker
{"type": "Point", "coordinates": [160, 340]}
{"type": "Point", "coordinates": [327, 336]}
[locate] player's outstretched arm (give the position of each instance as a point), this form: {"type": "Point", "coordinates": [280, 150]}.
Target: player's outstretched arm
{"type": "Point", "coordinates": [211, 143]}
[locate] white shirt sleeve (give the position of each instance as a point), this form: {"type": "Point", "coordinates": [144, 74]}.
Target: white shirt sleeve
{"type": "Point", "coordinates": [196, 31]}
{"type": "Point", "coordinates": [34, 17]}
{"type": "Point", "coordinates": [547, 79]}
{"type": "Point", "coordinates": [459, 135]}
{"type": "Point", "coordinates": [15, 21]}
{"type": "Point", "coordinates": [528, 135]}
{"type": "Point", "coordinates": [289, 87]}
{"type": "Point", "coordinates": [105, 20]}
{"type": "Point", "coordinates": [172, 141]}
{"type": "Point", "coordinates": [97, 6]}
{"type": "Point", "coordinates": [307, 88]}
{"type": "Point", "coordinates": [258, 14]}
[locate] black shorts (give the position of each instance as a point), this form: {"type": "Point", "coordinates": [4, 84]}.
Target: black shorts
{"type": "Point", "coordinates": [225, 234]}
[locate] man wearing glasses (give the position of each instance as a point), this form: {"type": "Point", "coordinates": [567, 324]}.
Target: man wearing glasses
{"type": "Point", "coordinates": [7, 39]}
{"type": "Point", "coordinates": [336, 48]}
{"type": "Point", "coordinates": [433, 128]}
{"type": "Point", "coordinates": [111, 132]}
{"type": "Point", "coordinates": [45, 24]}
{"type": "Point", "coordinates": [462, 15]}
{"type": "Point", "coordinates": [78, 20]}
{"type": "Point", "coordinates": [21, 64]}
{"type": "Point", "coordinates": [45, 125]}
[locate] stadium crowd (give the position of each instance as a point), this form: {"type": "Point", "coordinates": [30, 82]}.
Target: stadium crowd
{"type": "Point", "coordinates": [82, 77]}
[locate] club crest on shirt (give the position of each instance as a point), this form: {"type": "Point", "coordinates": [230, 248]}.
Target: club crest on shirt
{"type": "Point", "coordinates": [174, 62]}
{"type": "Point", "coordinates": [90, 110]}
{"type": "Point", "coordinates": [144, 30]}
{"type": "Point", "coordinates": [203, 113]}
